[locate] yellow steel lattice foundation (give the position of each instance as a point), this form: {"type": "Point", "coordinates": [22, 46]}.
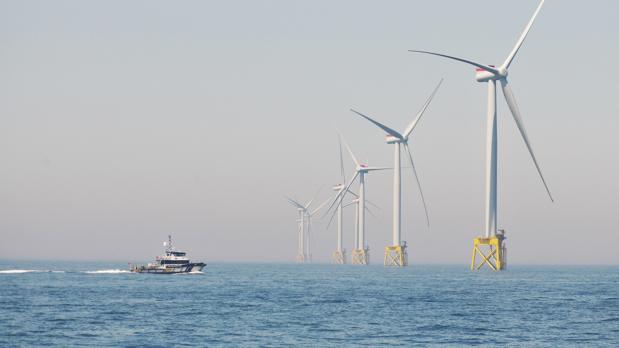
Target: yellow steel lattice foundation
{"type": "Point", "coordinates": [396, 256]}
{"type": "Point", "coordinates": [361, 257]}
{"type": "Point", "coordinates": [339, 257]}
{"type": "Point", "coordinates": [492, 252]}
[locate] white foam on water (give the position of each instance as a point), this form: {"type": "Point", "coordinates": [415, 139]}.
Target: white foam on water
{"type": "Point", "coordinates": [18, 271]}
{"type": "Point", "coordinates": [190, 273]}
{"type": "Point", "coordinates": [108, 271]}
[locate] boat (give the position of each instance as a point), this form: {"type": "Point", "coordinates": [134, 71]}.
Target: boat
{"type": "Point", "coordinates": [172, 262]}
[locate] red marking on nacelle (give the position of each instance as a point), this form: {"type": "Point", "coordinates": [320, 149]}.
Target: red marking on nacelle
{"type": "Point", "coordinates": [480, 69]}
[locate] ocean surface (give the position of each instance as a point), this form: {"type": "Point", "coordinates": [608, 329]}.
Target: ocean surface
{"type": "Point", "coordinates": [68, 304]}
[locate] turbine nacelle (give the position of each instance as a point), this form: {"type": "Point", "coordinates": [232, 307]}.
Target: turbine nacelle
{"type": "Point", "coordinates": [483, 75]}
{"type": "Point", "coordinates": [390, 139]}
{"type": "Point", "coordinates": [362, 168]}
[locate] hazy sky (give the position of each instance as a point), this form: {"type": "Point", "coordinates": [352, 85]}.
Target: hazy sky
{"type": "Point", "coordinates": [124, 121]}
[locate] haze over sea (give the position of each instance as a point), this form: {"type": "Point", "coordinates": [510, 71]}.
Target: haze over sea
{"type": "Point", "coordinates": [64, 304]}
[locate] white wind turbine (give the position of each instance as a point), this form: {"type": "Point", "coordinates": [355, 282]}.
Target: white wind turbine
{"type": "Point", "coordinates": [361, 252]}
{"type": "Point", "coordinates": [491, 74]}
{"type": "Point", "coordinates": [339, 256]}
{"type": "Point", "coordinates": [301, 209]}
{"type": "Point", "coordinates": [305, 220]}
{"type": "Point", "coordinates": [399, 140]}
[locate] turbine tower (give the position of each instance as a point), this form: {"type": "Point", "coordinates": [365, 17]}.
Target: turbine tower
{"type": "Point", "coordinates": [396, 255]}
{"type": "Point", "coordinates": [493, 239]}
{"type": "Point", "coordinates": [361, 253]}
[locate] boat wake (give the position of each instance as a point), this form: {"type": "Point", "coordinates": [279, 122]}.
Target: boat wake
{"type": "Point", "coordinates": [190, 273]}
{"type": "Point", "coordinates": [20, 271]}
{"type": "Point", "coordinates": [108, 271]}
{"type": "Point", "coordinates": [17, 271]}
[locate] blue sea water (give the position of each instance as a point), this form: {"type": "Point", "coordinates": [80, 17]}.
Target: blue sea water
{"type": "Point", "coordinates": [285, 305]}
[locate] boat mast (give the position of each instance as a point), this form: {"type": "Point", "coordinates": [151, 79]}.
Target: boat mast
{"type": "Point", "coordinates": [169, 248]}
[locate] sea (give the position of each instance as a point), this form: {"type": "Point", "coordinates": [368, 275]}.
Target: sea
{"type": "Point", "coordinates": [101, 304]}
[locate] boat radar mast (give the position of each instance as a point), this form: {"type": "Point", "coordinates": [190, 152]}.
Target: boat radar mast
{"type": "Point", "coordinates": [168, 244]}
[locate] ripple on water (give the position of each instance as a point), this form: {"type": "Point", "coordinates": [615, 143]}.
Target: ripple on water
{"type": "Point", "coordinates": [317, 305]}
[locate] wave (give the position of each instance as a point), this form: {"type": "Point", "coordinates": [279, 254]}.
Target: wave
{"type": "Point", "coordinates": [17, 271]}
{"type": "Point", "coordinates": [108, 271]}
{"type": "Point", "coordinates": [190, 273]}
{"type": "Point", "coordinates": [20, 271]}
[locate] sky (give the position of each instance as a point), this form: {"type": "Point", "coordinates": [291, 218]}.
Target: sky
{"type": "Point", "coordinates": [124, 121]}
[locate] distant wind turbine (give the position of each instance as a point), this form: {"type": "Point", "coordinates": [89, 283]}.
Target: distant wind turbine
{"type": "Point", "coordinates": [361, 252]}
{"type": "Point", "coordinates": [399, 140]}
{"type": "Point", "coordinates": [304, 220]}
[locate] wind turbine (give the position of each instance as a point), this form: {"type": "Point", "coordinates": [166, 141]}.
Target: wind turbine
{"type": "Point", "coordinates": [491, 75]}
{"type": "Point", "coordinates": [395, 255]}
{"type": "Point", "coordinates": [361, 254]}
{"type": "Point", "coordinates": [305, 215]}
{"type": "Point", "coordinates": [339, 255]}
{"type": "Point", "coordinates": [301, 209]}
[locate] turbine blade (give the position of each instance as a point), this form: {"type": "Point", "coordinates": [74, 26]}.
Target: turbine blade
{"type": "Point", "coordinates": [340, 195]}
{"type": "Point", "coordinates": [320, 207]}
{"type": "Point", "coordinates": [293, 202]}
{"type": "Point", "coordinates": [379, 125]}
{"type": "Point", "coordinates": [353, 193]}
{"type": "Point", "coordinates": [423, 200]}
{"type": "Point", "coordinates": [331, 219]}
{"type": "Point", "coordinates": [411, 126]}
{"type": "Point", "coordinates": [513, 107]}
{"type": "Point", "coordinates": [350, 203]}
{"type": "Point", "coordinates": [372, 169]}
{"type": "Point", "coordinates": [313, 199]}
{"type": "Point", "coordinates": [481, 66]}
{"type": "Point", "coordinates": [339, 142]}
{"type": "Point", "coordinates": [523, 36]}
{"type": "Point", "coordinates": [372, 204]}
{"type": "Point", "coordinates": [350, 151]}
{"type": "Point", "coordinates": [370, 211]}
